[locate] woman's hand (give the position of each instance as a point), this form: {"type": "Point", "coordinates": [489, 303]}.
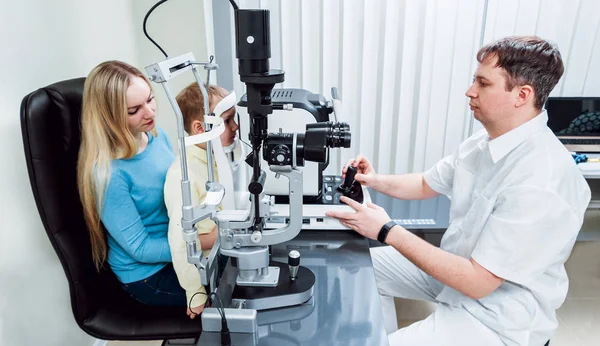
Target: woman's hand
{"type": "Point", "coordinates": [193, 312]}
{"type": "Point", "coordinates": [365, 173]}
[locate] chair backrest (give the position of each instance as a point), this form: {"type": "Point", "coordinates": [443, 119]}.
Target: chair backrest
{"type": "Point", "coordinates": [50, 125]}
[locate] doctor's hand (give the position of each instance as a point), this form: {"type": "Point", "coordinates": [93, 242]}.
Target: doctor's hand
{"type": "Point", "coordinates": [367, 220]}
{"type": "Point", "coordinates": [196, 311]}
{"type": "Point", "coordinates": [365, 174]}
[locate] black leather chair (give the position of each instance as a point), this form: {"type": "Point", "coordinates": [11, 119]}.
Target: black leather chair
{"type": "Point", "coordinates": [50, 124]}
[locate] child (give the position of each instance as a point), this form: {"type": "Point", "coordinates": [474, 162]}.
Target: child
{"type": "Point", "coordinates": [191, 103]}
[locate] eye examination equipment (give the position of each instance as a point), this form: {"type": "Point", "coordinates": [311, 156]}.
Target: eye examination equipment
{"type": "Point", "coordinates": [269, 208]}
{"type": "Point", "coordinates": [298, 109]}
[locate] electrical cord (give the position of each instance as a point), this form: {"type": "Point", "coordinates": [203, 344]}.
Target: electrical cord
{"type": "Point", "coordinates": [190, 302]}
{"type": "Point", "coordinates": [144, 25]}
{"type": "Point", "coordinates": [219, 308]}
{"type": "Point", "coordinates": [235, 6]}
{"type": "Point", "coordinates": [225, 336]}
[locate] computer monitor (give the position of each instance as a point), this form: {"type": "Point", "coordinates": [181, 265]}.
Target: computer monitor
{"type": "Point", "coordinates": [574, 116]}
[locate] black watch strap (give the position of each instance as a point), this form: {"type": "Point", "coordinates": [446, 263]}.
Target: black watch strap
{"type": "Point", "coordinates": [383, 233]}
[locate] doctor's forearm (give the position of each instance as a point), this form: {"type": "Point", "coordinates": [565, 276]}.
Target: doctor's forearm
{"type": "Point", "coordinates": [449, 269]}
{"type": "Point", "coordinates": [410, 186]}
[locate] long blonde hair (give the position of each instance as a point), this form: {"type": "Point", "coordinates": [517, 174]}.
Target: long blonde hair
{"type": "Point", "coordinates": [105, 136]}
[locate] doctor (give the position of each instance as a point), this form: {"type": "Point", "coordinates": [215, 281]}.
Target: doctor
{"type": "Point", "coordinates": [518, 202]}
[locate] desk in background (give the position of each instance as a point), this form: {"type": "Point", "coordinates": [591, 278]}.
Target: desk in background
{"type": "Point", "coordinates": [591, 171]}
{"type": "Point", "coordinates": [430, 214]}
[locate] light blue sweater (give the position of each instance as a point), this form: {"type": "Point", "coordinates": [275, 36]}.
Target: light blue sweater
{"type": "Point", "coordinates": [134, 212]}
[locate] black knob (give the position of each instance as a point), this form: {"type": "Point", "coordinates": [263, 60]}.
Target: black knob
{"type": "Point", "coordinates": [255, 188]}
{"type": "Point", "coordinates": [294, 264]}
{"type": "Point", "coordinates": [294, 258]}
{"type": "Point", "coordinates": [350, 173]}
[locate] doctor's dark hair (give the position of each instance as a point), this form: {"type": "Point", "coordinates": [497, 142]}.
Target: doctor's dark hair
{"type": "Point", "coordinates": [527, 60]}
{"type": "Point", "coordinates": [191, 102]}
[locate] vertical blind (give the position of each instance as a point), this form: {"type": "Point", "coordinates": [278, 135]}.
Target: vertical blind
{"type": "Point", "coordinates": [403, 66]}
{"type": "Point", "coordinates": [573, 25]}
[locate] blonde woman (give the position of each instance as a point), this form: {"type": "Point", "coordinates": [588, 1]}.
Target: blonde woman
{"type": "Point", "coordinates": [123, 162]}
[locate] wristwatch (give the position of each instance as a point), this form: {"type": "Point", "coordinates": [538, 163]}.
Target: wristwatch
{"type": "Point", "coordinates": [383, 233]}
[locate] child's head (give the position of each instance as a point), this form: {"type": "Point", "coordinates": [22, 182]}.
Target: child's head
{"type": "Point", "coordinates": [191, 103]}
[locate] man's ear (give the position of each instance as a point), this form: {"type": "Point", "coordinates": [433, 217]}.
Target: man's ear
{"type": "Point", "coordinates": [197, 127]}
{"type": "Point", "coordinates": [525, 95]}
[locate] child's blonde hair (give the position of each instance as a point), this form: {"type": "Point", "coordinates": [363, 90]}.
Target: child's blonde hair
{"type": "Point", "coordinates": [191, 102]}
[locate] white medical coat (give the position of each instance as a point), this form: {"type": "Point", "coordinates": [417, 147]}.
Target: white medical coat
{"type": "Point", "coordinates": [518, 203]}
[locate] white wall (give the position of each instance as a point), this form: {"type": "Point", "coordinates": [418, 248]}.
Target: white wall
{"type": "Point", "coordinates": [179, 28]}
{"type": "Point", "coordinates": [42, 42]}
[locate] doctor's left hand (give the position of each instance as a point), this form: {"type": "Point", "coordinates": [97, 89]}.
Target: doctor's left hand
{"type": "Point", "coordinates": [367, 220]}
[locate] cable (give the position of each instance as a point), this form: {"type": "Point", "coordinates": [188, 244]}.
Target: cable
{"type": "Point", "coordinates": [190, 303]}
{"type": "Point", "coordinates": [220, 307]}
{"type": "Point", "coordinates": [225, 336]}
{"type": "Point", "coordinates": [144, 26]}
{"type": "Point", "coordinates": [235, 6]}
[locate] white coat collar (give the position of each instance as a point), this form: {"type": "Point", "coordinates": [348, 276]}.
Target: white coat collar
{"type": "Point", "coordinates": [504, 144]}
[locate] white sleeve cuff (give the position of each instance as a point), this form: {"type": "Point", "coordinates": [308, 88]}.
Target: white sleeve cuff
{"type": "Point", "coordinates": [433, 183]}
{"type": "Point", "coordinates": [499, 271]}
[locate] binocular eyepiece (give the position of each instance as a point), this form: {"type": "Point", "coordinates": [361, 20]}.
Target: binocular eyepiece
{"type": "Point", "coordinates": [281, 149]}
{"type": "Point", "coordinates": [337, 134]}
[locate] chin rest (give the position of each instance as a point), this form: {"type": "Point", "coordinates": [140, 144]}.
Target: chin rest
{"type": "Point", "coordinates": [50, 125]}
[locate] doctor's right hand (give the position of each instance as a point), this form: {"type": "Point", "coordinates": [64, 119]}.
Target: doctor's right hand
{"type": "Point", "coordinates": [365, 174]}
